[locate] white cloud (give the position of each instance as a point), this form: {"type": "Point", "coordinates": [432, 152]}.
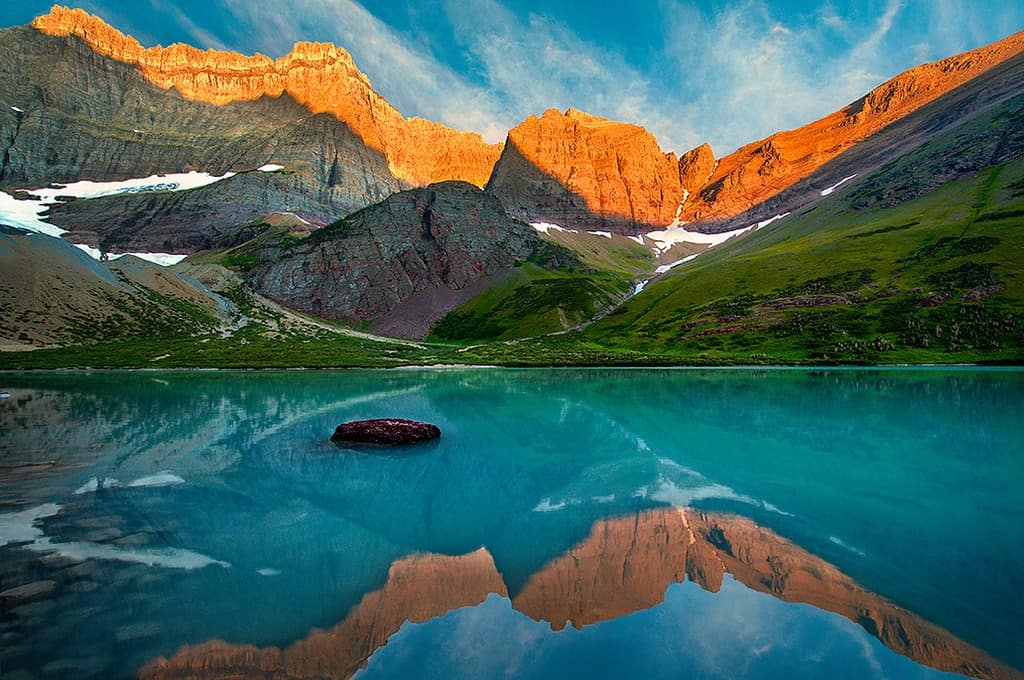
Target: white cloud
{"type": "Point", "coordinates": [412, 79]}
{"type": "Point", "coordinates": [729, 77]}
{"type": "Point", "coordinates": [752, 77]}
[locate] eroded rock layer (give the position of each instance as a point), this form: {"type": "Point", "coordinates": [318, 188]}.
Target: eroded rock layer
{"type": "Point", "coordinates": [582, 171]}
{"type": "Point", "coordinates": [320, 76]}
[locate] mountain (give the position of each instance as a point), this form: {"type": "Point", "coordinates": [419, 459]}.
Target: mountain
{"type": "Point", "coordinates": [401, 264]}
{"type": "Point", "coordinates": [321, 77]}
{"type": "Point", "coordinates": [72, 114]}
{"type": "Point", "coordinates": [760, 170]}
{"type": "Point", "coordinates": [54, 293]}
{"type": "Point", "coordinates": [578, 170]}
{"type": "Point", "coordinates": [916, 261]}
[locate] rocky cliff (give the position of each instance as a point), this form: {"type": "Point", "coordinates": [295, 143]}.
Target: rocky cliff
{"type": "Point", "coordinates": [402, 263]}
{"type": "Point", "coordinates": [762, 169]}
{"type": "Point", "coordinates": [581, 171]}
{"type": "Point", "coordinates": [321, 77]}
{"type": "Point", "coordinates": [73, 114]}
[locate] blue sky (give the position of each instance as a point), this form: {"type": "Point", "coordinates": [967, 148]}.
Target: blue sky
{"type": "Point", "coordinates": [688, 70]}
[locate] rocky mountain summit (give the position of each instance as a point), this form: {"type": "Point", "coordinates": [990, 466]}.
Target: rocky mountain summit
{"type": "Point", "coordinates": [321, 77]}
{"type": "Point", "coordinates": [578, 170]}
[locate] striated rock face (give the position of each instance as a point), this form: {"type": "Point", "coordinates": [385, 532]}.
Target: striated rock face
{"type": "Point", "coordinates": [696, 167]}
{"type": "Point", "coordinates": [320, 76]}
{"type": "Point", "coordinates": [447, 238]}
{"type": "Point", "coordinates": [578, 170]}
{"type": "Point", "coordinates": [762, 169]}
{"type": "Point", "coordinates": [85, 116]}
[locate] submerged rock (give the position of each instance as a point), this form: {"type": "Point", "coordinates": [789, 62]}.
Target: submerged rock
{"type": "Point", "coordinates": [385, 432]}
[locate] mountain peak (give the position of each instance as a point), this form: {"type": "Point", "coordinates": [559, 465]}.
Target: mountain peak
{"type": "Point", "coordinates": [321, 76]}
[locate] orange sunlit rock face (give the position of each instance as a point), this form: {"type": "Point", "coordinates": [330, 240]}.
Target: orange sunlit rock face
{"type": "Point", "coordinates": [318, 75]}
{"type": "Point", "coordinates": [763, 168]}
{"type": "Point", "coordinates": [579, 170]}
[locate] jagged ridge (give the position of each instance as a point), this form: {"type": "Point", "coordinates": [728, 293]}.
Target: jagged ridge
{"type": "Point", "coordinates": [320, 76]}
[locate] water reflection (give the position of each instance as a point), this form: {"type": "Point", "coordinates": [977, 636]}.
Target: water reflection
{"type": "Point", "coordinates": [625, 565]}
{"type": "Point", "coordinates": [234, 519]}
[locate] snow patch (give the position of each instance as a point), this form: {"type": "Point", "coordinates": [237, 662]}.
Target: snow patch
{"type": "Point", "coordinates": [679, 210]}
{"type": "Point", "coordinates": [15, 108]}
{"type": "Point", "coordinates": [28, 213]}
{"type": "Point", "coordinates": [547, 228]}
{"type": "Point", "coordinates": [606, 234]}
{"type": "Point", "coordinates": [21, 527]}
{"type": "Point", "coordinates": [640, 286]}
{"type": "Point", "coordinates": [639, 238]}
{"type": "Point", "coordinates": [765, 223]}
{"type": "Point", "coordinates": [547, 506]}
{"type": "Point", "coordinates": [843, 544]}
{"type": "Point", "coordinates": [270, 167]}
{"type": "Point", "coordinates": [170, 558]}
{"type": "Point", "coordinates": [163, 478]}
{"type": "Point", "coordinates": [162, 259]}
{"type": "Point", "coordinates": [159, 479]}
{"type": "Point", "coordinates": [95, 484]}
{"type": "Point", "coordinates": [826, 192]}
{"type": "Point", "coordinates": [665, 267]}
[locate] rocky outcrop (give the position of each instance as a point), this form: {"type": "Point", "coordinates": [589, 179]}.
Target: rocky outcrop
{"type": "Point", "coordinates": [384, 432]}
{"type": "Point", "coordinates": [447, 238]}
{"type": "Point", "coordinates": [760, 170]}
{"type": "Point", "coordinates": [581, 171]}
{"type": "Point", "coordinates": [85, 116]}
{"type": "Point", "coordinates": [696, 167]}
{"type": "Point", "coordinates": [321, 77]}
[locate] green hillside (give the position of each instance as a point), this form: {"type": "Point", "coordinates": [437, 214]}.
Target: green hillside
{"type": "Point", "coordinates": [938, 278]}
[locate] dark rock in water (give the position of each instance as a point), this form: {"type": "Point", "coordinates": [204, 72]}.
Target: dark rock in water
{"type": "Point", "coordinates": [385, 432]}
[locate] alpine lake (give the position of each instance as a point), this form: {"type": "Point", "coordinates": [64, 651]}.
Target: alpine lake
{"type": "Point", "coordinates": [590, 523]}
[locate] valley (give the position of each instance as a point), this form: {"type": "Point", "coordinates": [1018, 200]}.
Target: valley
{"type": "Point", "coordinates": [331, 231]}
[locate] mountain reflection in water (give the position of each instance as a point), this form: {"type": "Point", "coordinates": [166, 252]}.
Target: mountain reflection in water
{"type": "Point", "coordinates": [625, 565]}
{"type": "Point", "coordinates": [186, 524]}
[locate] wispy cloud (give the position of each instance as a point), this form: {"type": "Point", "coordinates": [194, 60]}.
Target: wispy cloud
{"type": "Point", "coordinates": [729, 76]}
{"type": "Point", "coordinates": [411, 78]}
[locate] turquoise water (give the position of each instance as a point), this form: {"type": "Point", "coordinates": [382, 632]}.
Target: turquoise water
{"type": "Point", "coordinates": [575, 523]}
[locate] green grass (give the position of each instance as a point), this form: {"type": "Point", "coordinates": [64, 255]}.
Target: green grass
{"type": "Point", "coordinates": [936, 279]}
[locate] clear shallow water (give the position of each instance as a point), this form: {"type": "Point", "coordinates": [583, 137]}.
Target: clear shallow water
{"type": "Point", "coordinates": [587, 523]}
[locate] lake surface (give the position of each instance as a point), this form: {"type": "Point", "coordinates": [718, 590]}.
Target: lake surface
{"type": "Point", "coordinates": [569, 523]}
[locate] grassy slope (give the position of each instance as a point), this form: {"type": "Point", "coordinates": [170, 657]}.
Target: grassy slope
{"type": "Point", "coordinates": [537, 301]}
{"type": "Point", "coordinates": [934, 279]}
